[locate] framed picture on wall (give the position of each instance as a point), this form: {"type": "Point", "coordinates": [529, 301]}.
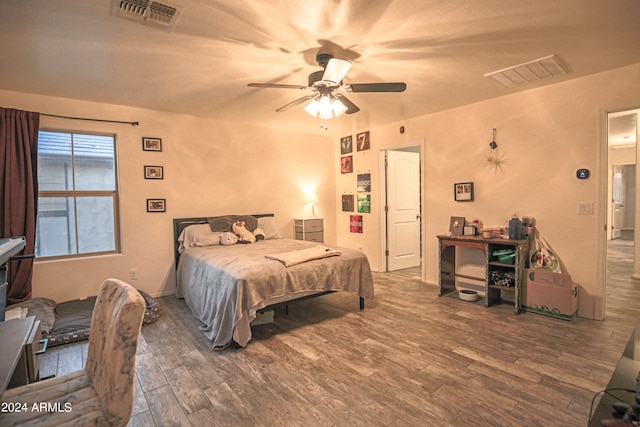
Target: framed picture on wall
{"type": "Point", "coordinates": [346, 144]}
{"type": "Point", "coordinates": [156, 205]}
{"type": "Point", "coordinates": [463, 192]}
{"type": "Point", "coordinates": [346, 164]}
{"type": "Point", "coordinates": [151, 144]}
{"type": "Point", "coordinates": [364, 183]}
{"type": "Point", "coordinates": [153, 172]}
{"type": "Point", "coordinates": [347, 203]}
{"type": "Point", "coordinates": [362, 141]}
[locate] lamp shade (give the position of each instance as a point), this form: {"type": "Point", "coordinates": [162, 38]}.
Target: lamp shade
{"type": "Point", "coordinates": [313, 199]}
{"type": "Point", "coordinates": [327, 107]}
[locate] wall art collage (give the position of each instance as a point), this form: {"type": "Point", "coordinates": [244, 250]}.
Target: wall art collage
{"type": "Point", "coordinates": [154, 172]}
{"type": "Point", "coordinates": [361, 201]}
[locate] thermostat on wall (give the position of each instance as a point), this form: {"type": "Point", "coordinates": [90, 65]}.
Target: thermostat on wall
{"type": "Point", "coordinates": [583, 173]}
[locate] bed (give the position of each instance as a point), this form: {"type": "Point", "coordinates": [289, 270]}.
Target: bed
{"type": "Point", "coordinates": [226, 285]}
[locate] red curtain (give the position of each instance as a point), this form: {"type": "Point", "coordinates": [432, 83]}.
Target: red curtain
{"type": "Point", "coordinates": [19, 192]}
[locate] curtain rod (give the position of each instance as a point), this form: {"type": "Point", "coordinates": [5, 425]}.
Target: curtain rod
{"type": "Point", "coordinates": [91, 120]}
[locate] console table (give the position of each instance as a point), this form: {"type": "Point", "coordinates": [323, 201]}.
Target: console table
{"type": "Point", "coordinates": [493, 292]}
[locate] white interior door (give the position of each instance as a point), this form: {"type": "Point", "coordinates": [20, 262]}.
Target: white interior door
{"type": "Point", "coordinates": [403, 209]}
{"type": "Point", "coordinates": [617, 219]}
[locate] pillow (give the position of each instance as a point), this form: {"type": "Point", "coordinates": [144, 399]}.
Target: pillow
{"type": "Point", "coordinates": [42, 309]}
{"type": "Point", "coordinates": [224, 223]}
{"type": "Point", "coordinates": [269, 227]}
{"type": "Point", "coordinates": [210, 238]}
{"type": "Point", "coordinates": [198, 235]}
{"type": "Point", "coordinates": [228, 238]}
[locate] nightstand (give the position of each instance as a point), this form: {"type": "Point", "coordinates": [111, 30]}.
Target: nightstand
{"type": "Point", "coordinates": [309, 229]}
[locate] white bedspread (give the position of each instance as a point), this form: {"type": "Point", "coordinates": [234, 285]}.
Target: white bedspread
{"type": "Point", "coordinates": [226, 285]}
{"type": "Point", "coordinates": [303, 255]}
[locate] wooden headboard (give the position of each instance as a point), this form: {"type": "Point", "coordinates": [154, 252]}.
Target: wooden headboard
{"type": "Point", "coordinates": [180, 224]}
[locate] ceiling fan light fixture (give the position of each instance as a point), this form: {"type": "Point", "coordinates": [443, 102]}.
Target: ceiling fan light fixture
{"type": "Point", "coordinates": [312, 107]}
{"type": "Point", "coordinates": [338, 108]}
{"type": "Point", "coordinates": [335, 71]}
{"type": "Point", "coordinates": [325, 108]}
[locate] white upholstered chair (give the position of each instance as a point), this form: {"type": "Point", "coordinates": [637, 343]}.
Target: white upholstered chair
{"type": "Point", "coordinates": [102, 393]}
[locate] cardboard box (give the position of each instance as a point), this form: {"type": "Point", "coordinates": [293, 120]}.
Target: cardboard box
{"type": "Point", "coordinates": [550, 294]}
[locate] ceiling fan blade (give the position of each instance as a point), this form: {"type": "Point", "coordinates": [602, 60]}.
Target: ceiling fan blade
{"type": "Point", "coordinates": [351, 107]}
{"type": "Point", "coordinates": [279, 86]}
{"type": "Point", "coordinates": [377, 87]}
{"type": "Point", "coordinates": [296, 102]}
{"type": "Point", "coordinates": [336, 70]}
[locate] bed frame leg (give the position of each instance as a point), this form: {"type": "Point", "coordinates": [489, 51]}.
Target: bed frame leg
{"type": "Point", "coordinates": [361, 303]}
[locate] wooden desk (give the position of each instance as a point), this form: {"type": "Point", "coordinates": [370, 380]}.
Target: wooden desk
{"type": "Point", "coordinates": [448, 273]}
{"type": "Point", "coordinates": [14, 358]}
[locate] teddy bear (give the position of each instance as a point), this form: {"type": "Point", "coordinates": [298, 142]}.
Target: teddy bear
{"type": "Point", "coordinates": [244, 235]}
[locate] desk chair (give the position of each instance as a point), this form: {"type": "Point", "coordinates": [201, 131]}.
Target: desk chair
{"type": "Point", "coordinates": [102, 393]}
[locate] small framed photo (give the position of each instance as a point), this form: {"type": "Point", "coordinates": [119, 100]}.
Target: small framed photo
{"type": "Point", "coordinates": [153, 172]}
{"type": "Point", "coordinates": [156, 205]}
{"type": "Point", "coordinates": [151, 144]}
{"type": "Point", "coordinates": [456, 225]}
{"type": "Point", "coordinates": [463, 192]}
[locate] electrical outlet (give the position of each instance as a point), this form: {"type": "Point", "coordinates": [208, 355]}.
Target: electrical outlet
{"type": "Point", "coordinates": [585, 208]}
{"type": "Point", "coordinates": [133, 274]}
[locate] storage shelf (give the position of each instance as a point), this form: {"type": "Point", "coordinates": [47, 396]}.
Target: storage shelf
{"type": "Point", "coordinates": [501, 264]}
{"type": "Point", "coordinates": [447, 266]}
{"type": "Point", "coordinates": [503, 288]}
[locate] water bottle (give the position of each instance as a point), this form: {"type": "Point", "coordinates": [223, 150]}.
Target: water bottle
{"type": "Point", "coordinates": [515, 228]}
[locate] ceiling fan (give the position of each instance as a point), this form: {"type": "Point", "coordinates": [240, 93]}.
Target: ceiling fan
{"type": "Point", "coordinates": [327, 91]}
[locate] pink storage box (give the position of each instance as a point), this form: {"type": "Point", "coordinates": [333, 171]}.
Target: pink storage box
{"type": "Point", "coordinates": [550, 294]}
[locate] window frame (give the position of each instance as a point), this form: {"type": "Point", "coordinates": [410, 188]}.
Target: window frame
{"type": "Point", "coordinates": [75, 194]}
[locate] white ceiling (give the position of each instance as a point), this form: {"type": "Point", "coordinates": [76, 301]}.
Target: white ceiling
{"type": "Point", "coordinates": [441, 49]}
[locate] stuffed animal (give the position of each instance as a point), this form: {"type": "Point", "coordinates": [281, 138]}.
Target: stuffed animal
{"type": "Point", "coordinates": [228, 238]}
{"type": "Point", "coordinates": [259, 233]}
{"type": "Point", "coordinates": [243, 234]}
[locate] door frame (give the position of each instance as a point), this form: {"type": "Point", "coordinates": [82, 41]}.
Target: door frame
{"type": "Point", "coordinates": [615, 169]}
{"type": "Point", "coordinates": [383, 199]}
{"type": "Point", "coordinates": [604, 219]}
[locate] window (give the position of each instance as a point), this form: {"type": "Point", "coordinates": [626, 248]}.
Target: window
{"type": "Point", "coordinates": [78, 196]}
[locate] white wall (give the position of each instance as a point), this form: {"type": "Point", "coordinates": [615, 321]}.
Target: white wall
{"type": "Point", "coordinates": [210, 168]}
{"type": "Point", "coordinates": [543, 135]}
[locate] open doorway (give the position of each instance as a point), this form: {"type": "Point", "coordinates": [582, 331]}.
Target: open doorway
{"type": "Point", "coordinates": [622, 201]}
{"type": "Point", "coordinates": [402, 198]}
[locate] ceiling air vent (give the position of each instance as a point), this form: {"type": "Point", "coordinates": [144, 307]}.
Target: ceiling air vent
{"type": "Point", "coordinates": [148, 12]}
{"type": "Point", "coordinates": [529, 72]}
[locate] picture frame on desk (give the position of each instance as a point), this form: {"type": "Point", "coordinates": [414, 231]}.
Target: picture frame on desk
{"type": "Point", "coordinates": [456, 225]}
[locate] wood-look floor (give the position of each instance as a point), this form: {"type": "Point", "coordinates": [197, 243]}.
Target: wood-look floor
{"type": "Point", "coordinates": [409, 359]}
